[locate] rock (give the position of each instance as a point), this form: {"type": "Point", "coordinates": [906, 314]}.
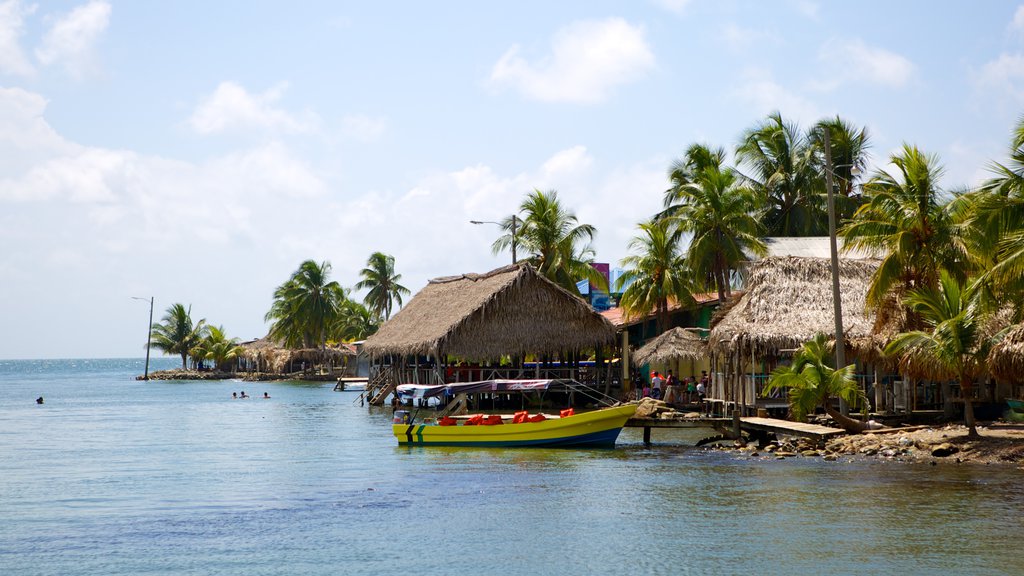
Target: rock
{"type": "Point", "coordinates": [785, 454]}
{"type": "Point", "coordinates": [771, 448]}
{"type": "Point", "coordinates": [889, 453]}
{"type": "Point", "coordinates": [944, 449]}
{"type": "Point", "coordinates": [809, 453]}
{"type": "Point", "coordinates": [830, 457]}
{"type": "Point", "coordinates": [904, 441]}
{"type": "Point", "coordinates": [868, 451]}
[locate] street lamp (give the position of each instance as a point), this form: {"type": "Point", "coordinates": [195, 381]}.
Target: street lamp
{"type": "Point", "coordinates": [149, 333]}
{"type": "Point", "coordinates": [515, 221]}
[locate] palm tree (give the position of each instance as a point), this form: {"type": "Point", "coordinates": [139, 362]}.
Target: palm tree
{"type": "Point", "coordinates": [722, 216]}
{"type": "Point", "coordinates": [684, 171]}
{"type": "Point", "coordinates": [812, 383]}
{"type": "Point", "coordinates": [995, 220]}
{"type": "Point", "coordinates": [907, 224]}
{"type": "Point", "coordinates": [781, 163]}
{"type": "Point", "coordinates": [176, 333]}
{"type": "Point", "coordinates": [556, 243]}
{"type": "Point", "coordinates": [655, 274]}
{"type": "Point", "coordinates": [849, 147]}
{"type": "Point", "coordinates": [305, 306]}
{"type": "Point", "coordinates": [218, 348]}
{"type": "Point", "coordinates": [380, 280]}
{"type": "Point", "coordinates": [355, 322]}
{"type": "Point", "coordinates": [953, 316]}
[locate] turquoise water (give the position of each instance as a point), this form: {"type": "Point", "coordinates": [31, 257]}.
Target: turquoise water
{"type": "Point", "coordinates": [113, 476]}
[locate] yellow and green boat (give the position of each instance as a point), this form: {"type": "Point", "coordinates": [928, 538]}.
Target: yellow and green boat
{"type": "Point", "coordinates": [596, 429]}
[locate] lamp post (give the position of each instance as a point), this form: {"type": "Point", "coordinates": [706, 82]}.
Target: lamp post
{"type": "Point", "coordinates": [515, 222]}
{"type": "Point", "coordinates": [149, 333]}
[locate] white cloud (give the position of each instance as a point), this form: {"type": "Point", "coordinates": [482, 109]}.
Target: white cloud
{"type": "Point", "coordinates": [764, 95]}
{"type": "Point", "coordinates": [71, 39]}
{"type": "Point", "coordinates": [674, 6]}
{"type": "Point", "coordinates": [364, 128]}
{"type": "Point", "coordinates": [572, 161]}
{"type": "Point", "coordinates": [853, 61]}
{"type": "Point", "coordinates": [808, 8]}
{"type": "Point", "coordinates": [588, 59]}
{"type": "Point", "coordinates": [741, 39]}
{"type": "Point", "coordinates": [231, 106]}
{"type": "Point", "coordinates": [1003, 77]}
{"type": "Point", "coordinates": [12, 18]}
{"type": "Point", "coordinates": [1017, 24]}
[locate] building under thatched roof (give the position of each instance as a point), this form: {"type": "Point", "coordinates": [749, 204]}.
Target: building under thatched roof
{"type": "Point", "coordinates": [509, 311]}
{"type": "Point", "coordinates": [675, 344]}
{"type": "Point", "coordinates": [788, 300]}
{"type": "Point", "coordinates": [269, 356]}
{"type": "Point", "coordinates": [1006, 360]}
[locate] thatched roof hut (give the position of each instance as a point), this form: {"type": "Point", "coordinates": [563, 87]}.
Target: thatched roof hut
{"type": "Point", "coordinates": [1006, 359]}
{"type": "Point", "coordinates": [509, 311]}
{"type": "Point", "coordinates": [270, 356]}
{"type": "Point", "coordinates": [676, 344]}
{"type": "Point", "coordinates": [788, 300]}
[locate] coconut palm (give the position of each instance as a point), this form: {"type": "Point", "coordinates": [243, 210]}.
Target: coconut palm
{"type": "Point", "coordinates": [953, 341]}
{"type": "Point", "coordinates": [656, 274]}
{"type": "Point", "coordinates": [684, 171]}
{"type": "Point", "coordinates": [218, 348]}
{"type": "Point", "coordinates": [995, 221]}
{"type": "Point", "coordinates": [907, 222]}
{"type": "Point", "coordinates": [176, 333]}
{"type": "Point", "coordinates": [722, 217]}
{"type": "Point", "coordinates": [355, 322]}
{"type": "Point", "coordinates": [305, 306]}
{"type": "Point", "coordinates": [381, 282]}
{"type": "Point", "coordinates": [557, 244]}
{"type": "Point", "coordinates": [848, 148]}
{"type": "Point", "coordinates": [813, 384]}
{"type": "Point", "coordinates": [780, 162]}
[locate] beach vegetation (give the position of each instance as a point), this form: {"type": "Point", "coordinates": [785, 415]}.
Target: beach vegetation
{"type": "Point", "coordinates": [721, 215]}
{"type": "Point", "coordinates": [381, 282]}
{"type": "Point", "coordinates": [216, 347]}
{"type": "Point", "coordinates": [656, 274]}
{"type": "Point", "coordinates": [953, 340]}
{"type": "Point", "coordinates": [306, 306]}
{"type": "Point", "coordinates": [176, 333]}
{"type": "Point", "coordinates": [556, 243]}
{"type": "Point", "coordinates": [812, 383]}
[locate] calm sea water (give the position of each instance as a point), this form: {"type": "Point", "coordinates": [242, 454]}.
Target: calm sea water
{"type": "Point", "coordinates": [114, 476]}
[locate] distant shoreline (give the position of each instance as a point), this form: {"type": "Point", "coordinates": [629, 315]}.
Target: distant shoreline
{"type": "Point", "coordinates": [179, 374]}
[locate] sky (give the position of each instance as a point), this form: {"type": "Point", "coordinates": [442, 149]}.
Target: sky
{"type": "Point", "coordinates": [198, 152]}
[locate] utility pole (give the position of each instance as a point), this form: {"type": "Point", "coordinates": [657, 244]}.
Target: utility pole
{"type": "Point", "coordinates": [837, 304]}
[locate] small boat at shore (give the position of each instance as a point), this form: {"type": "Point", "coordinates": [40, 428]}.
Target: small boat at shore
{"type": "Point", "coordinates": [596, 429]}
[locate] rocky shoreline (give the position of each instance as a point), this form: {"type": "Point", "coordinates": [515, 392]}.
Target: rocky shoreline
{"type": "Point", "coordinates": [999, 444]}
{"type": "Point", "coordinates": [179, 374]}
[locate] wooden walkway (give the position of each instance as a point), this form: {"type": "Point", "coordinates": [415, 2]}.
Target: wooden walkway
{"type": "Point", "coordinates": [750, 424]}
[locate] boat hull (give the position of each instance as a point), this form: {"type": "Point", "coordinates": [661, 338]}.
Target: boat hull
{"type": "Point", "coordinates": [598, 429]}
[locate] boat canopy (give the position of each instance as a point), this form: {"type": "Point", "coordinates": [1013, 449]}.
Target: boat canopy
{"type": "Point", "coordinates": [431, 391]}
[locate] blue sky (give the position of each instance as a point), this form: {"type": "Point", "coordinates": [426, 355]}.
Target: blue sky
{"type": "Point", "coordinates": [198, 152]}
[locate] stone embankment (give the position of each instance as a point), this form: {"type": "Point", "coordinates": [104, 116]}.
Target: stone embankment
{"type": "Point", "coordinates": [998, 444]}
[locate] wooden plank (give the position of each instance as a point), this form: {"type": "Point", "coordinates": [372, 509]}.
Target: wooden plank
{"type": "Point", "coordinates": [790, 428]}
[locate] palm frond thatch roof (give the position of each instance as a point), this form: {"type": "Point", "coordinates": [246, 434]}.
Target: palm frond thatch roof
{"type": "Point", "coordinates": [675, 344]}
{"type": "Point", "coordinates": [1006, 359]}
{"type": "Point", "coordinates": [274, 357]}
{"type": "Point", "coordinates": [788, 301]}
{"type": "Point", "coordinates": [509, 311]}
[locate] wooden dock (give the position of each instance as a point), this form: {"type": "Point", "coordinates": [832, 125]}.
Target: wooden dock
{"type": "Point", "coordinates": [755, 426]}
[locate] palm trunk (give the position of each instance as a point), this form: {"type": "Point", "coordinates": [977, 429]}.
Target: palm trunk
{"type": "Point", "coordinates": [845, 422]}
{"type": "Point", "coordinates": [966, 387]}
